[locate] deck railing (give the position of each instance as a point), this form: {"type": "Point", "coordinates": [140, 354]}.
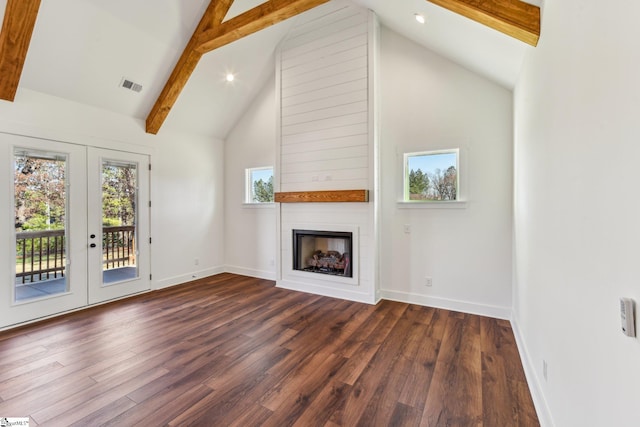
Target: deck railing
{"type": "Point", "coordinates": [41, 255]}
{"type": "Point", "coordinates": [118, 246]}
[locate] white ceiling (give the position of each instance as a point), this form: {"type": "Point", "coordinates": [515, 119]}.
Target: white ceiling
{"type": "Point", "coordinates": [81, 50]}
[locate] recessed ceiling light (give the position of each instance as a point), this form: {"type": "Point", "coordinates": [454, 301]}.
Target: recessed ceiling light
{"type": "Point", "coordinates": [230, 77]}
{"type": "Point", "coordinates": [420, 18]}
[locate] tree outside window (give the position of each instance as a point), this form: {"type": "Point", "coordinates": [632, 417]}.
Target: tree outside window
{"type": "Point", "coordinates": [431, 176]}
{"type": "Point", "coordinates": [259, 185]}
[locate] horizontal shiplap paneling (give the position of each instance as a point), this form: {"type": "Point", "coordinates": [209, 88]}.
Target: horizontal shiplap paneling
{"type": "Point", "coordinates": [325, 103]}
{"type": "Point", "coordinates": [349, 30]}
{"type": "Point", "coordinates": [327, 166]}
{"type": "Point", "coordinates": [326, 145]}
{"type": "Point", "coordinates": [325, 82]}
{"type": "Point", "coordinates": [322, 63]}
{"type": "Point", "coordinates": [337, 132]}
{"type": "Point", "coordinates": [321, 153]}
{"type": "Point", "coordinates": [325, 113]}
{"type": "Point", "coordinates": [325, 140]}
{"type": "Point", "coordinates": [330, 179]}
{"type": "Point", "coordinates": [345, 89]}
{"type": "Point", "coordinates": [327, 51]}
{"type": "Point", "coordinates": [322, 70]}
{"type": "Point", "coordinates": [325, 124]}
{"type": "Point", "coordinates": [329, 18]}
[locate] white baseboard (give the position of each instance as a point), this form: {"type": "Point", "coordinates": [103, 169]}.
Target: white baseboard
{"type": "Point", "coordinates": [448, 304]}
{"type": "Point", "coordinates": [327, 291]}
{"type": "Point", "coordinates": [260, 274]}
{"type": "Point", "coordinates": [533, 380]}
{"type": "Point", "coordinates": [183, 278]}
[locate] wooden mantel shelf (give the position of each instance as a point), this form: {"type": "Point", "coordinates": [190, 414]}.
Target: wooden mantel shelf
{"type": "Point", "coordinates": [334, 196]}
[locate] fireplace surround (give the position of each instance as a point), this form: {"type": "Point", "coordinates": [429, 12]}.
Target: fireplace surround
{"type": "Point", "coordinates": [326, 157]}
{"type": "Point", "coordinates": [323, 252]}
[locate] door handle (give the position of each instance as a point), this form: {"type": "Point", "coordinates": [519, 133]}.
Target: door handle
{"type": "Point", "coordinates": [93, 245]}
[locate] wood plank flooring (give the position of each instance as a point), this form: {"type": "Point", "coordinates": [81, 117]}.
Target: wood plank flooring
{"type": "Point", "coordinates": [236, 351]}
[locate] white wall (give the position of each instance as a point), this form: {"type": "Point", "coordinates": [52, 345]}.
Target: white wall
{"type": "Point", "coordinates": [576, 211]}
{"type": "Point", "coordinates": [250, 230]}
{"type": "Point", "coordinates": [188, 210]}
{"type": "Point", "coordinates": [186, 180]}
{"type": "Point", "coordinates": [430, 103]}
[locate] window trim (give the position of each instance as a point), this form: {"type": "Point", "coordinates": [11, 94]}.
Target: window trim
{"type": "Point", "coordinates": [458, 202]}
{"type": "Point", "coordinates": [248, 185]}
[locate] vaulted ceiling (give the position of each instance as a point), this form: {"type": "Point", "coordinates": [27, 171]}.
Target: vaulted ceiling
{"type": "Point", "coordinates": [82, 49]}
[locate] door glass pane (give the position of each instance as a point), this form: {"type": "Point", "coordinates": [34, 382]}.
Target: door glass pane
{"type": "Point", "coordinates": [40, 196]}
{"type": "Point", "coordinates": [119, 221]}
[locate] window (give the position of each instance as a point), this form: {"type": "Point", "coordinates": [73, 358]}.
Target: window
{"type": "Point", "coordinates": [259, 185]}
{"type": "Point", "coordinates": [431, 176]}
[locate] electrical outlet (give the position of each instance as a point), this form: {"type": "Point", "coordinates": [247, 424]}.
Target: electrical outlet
{"type": "Point", "coordinates": [272, 262]}
{"type": "Point", "coordinates": [428, 281]}
{"type": "Point", "coordinates": [407, 228]}
{"type": "Point", "coordinates": [544, 369]}
{"type": "Point", "coordinates": [196, 261]}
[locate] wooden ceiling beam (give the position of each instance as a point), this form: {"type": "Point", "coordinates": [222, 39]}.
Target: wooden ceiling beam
{"type": "Point", "coordinates": [252, 21]}
{"type": "Point", "coordinates": [218, 12]}
{"type": "Point", "coordinates": [212, 17]}
{"type": "Point", "coordinates": [512, 17]}
{"type": "Point", "coordinates": [213, 33]}
{"type": "Point", "coordinates": [15, 37]}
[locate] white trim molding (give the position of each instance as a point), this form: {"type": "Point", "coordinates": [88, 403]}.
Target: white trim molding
{"type": "Point", "coordinates": [448, 304]}
{"type": "Point", "coordinates": [533, 380]}
{"type": "Point", "coordinates": [184, 278]}
{"type": "Point", "coordinates": [242, 271]}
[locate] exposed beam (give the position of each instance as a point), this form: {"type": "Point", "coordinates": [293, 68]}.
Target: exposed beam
{"type": "Point", "coordinates": [254, 20]}
{"type": "Point", "coordinates": [17, 28]}
{"type": "Point", "coordinates": [212, 17]}
{"type": "Point", "coordinates": [512, 17]}
{"type": "Point", "coordinates": [211, 34]}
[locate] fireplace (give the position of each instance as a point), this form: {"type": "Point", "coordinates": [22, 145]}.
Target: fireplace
{"type": "Point", "coordinates": [323, 252]}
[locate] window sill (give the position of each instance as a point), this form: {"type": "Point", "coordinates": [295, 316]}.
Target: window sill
{"type": "Point", "coordinates": [453, 204]}
{"type": "Point", "coordinates": [259, 205]}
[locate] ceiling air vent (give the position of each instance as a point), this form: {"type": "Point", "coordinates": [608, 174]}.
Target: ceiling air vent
{"type": "Point", "coordinates": [128, 84]}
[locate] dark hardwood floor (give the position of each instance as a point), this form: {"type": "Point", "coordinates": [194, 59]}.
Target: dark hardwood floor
{"type": "Point", "coordinates": [236, 351]}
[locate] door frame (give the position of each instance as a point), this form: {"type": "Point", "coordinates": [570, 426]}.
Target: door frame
{"type": "Point", "coordinates": [13, 314]}
{"type": "Point", "coordinates": [97, 291]}
{"type": "Point", "coordinates": [12, 311]}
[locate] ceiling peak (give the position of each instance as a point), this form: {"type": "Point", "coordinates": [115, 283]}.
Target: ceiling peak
{"type": "Point", "coordinates": [213, 33]}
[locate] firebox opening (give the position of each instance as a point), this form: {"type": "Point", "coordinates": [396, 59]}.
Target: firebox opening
{"type": "Point", "coordinates": [323, 252]}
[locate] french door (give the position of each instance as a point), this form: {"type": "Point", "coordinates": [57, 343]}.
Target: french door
{"type": "Point", "coordinates": [118, 212]}
{"type": "Point", "coordinates": [74, 227]}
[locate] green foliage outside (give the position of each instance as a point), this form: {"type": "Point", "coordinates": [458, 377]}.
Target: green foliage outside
{"type": "Point", "coordinates": [118, 195]}
{"type": "Point", "coordinates": [40, 194]}
{"type": "Point", "coordinates": [263, 191]}
{"type": "Point", "coordinates": [436, 185]}
{"type": "Point", "coordinates": [418, 184]}
{"type": "Point", "coordinates": [40, 202]}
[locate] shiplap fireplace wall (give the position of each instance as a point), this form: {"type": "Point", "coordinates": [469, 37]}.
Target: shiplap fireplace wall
{"type": "Point", "coordinates": [327, 140]}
